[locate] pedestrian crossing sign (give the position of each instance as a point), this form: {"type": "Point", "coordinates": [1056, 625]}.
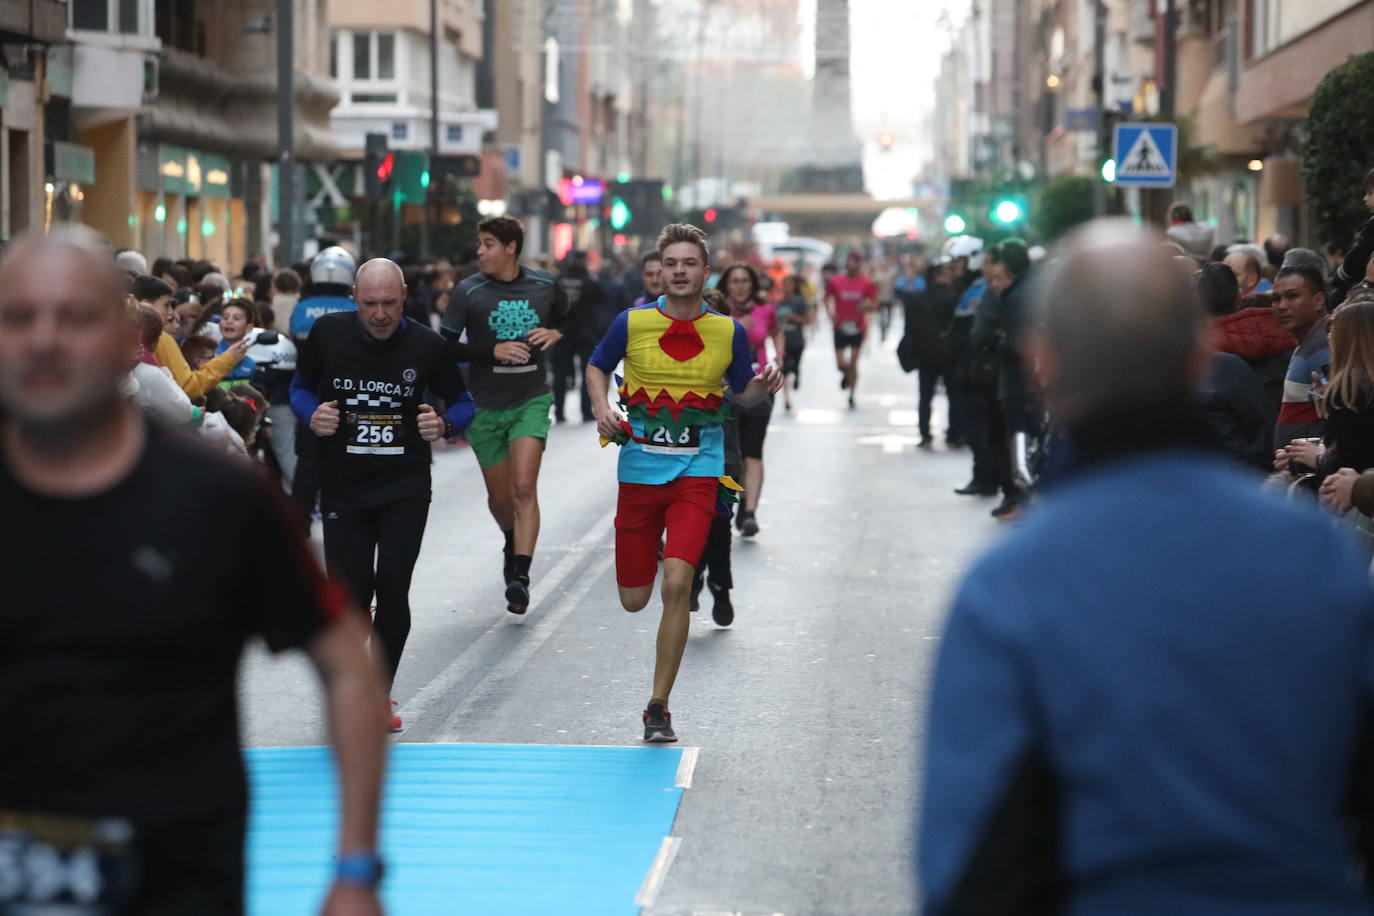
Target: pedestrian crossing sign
{"type": "Point", "coordinates": [1146, 155]}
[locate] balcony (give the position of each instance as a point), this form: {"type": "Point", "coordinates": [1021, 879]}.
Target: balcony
{"type": "Point", "coordinates": [43, 21]}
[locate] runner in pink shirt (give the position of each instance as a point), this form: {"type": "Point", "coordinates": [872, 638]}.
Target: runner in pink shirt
{"type": "Point", "coordinates": [744, 299]}
{"type": "Point", "coordinates": [850, 298]}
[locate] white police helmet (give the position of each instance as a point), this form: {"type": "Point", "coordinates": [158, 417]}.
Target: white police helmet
{"type": "Point", "coordinates": [966, 246]}
{"type": "Point", "coordinates": [333, 265]}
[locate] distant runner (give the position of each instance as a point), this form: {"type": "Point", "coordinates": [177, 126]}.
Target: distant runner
{"type": "Point", "coordinates": [850, 298]}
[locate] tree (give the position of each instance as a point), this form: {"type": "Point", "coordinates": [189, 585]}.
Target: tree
{"type": "Point", "coordinates": [1065, 202]}
{"type": "Point", "coordinates": [1337, 148]}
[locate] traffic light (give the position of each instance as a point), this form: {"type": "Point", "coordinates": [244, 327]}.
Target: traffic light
{"type": "Point", "coordinates": [886, 139]}
{"type": "Point", "coordinates": [377, 165]}
{"type": "Point", "coordinates": [710, 215]}
{"type": "Point", "coordinates": [955, 224]}
{"type": "Point", "coordinates": [620, 214]}
{"type": "Point", "coordinates": [636, 206]}
{"type": "Point", "coordinates": [1109, 171]}
{"type": "Point", "coordinates": [1009, 210]}
{"type": "Point", "coordinates": [410, 176]}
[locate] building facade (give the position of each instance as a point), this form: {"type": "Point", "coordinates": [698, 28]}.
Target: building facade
{"type": "Point", "coordinates": [176, 99]}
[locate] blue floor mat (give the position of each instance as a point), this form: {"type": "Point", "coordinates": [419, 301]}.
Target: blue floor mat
{"type": "Point", "coordinates": [470, 828]}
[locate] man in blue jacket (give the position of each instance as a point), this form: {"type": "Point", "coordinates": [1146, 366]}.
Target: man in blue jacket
{"type": "Point", "coordinates": [1154, 697]}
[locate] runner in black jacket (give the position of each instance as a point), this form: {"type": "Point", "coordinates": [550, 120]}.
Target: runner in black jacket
{"type": "Point", "coordinates": [359, 382]}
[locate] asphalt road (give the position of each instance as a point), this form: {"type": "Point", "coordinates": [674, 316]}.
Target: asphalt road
{"type": "Point", "coordinates": [808, 711]}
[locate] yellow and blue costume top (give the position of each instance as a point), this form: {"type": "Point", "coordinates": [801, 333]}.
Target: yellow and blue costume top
{"type": "Point", "coordinates": [674, 388]}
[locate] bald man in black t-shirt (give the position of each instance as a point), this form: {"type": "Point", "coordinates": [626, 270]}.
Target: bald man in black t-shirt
{"type": "Point", "coordinates": [129, 608]}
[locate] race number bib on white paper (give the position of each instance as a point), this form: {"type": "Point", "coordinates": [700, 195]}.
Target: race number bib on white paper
{"type": "Point", "coordinates": [376, 426]}
{"type": "Point", "coordinates": [664, 441]}
{"type": "Point", "coordinates": [65, 866]}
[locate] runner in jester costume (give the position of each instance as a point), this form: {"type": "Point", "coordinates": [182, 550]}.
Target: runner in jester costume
{"type": "Point", "coordinates": [676, 353]}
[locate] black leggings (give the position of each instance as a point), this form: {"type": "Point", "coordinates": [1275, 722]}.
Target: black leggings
{"type": "Point", "coordinates": [753, 427]}
{"type": "Point", "coordinates": [715, 556]}
{"type": "Point", "coordinates": [374, 550]}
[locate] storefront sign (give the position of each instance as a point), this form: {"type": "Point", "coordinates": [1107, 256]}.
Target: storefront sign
{"type": "Point", "coordinates": [72, 162]}
{"type": "Point", "coordinates": [172, 167]}
{"type": "Point", "coordinates": [215, 172]}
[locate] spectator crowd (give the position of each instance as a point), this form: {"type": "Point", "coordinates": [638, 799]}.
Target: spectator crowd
{"type": "Point", "coordinates": [1290, 381]}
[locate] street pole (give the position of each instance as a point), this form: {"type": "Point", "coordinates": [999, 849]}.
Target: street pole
{"type": "Point", "coordinates": [286, 140]}
{"type": "Point", "coordinates": [1168, 95]}
{"type": "Point", "coordinates": [1168, 99]}
{"type": "Point", "coordinates": [1100, 101]}
{"type": "Point", "coordinates": [547, 125]}
{"type": "Point", "coordinates": [427, 209]}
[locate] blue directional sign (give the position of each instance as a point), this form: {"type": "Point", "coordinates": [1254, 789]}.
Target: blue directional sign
{"type": "Point", "coordinates": [1146, 155]}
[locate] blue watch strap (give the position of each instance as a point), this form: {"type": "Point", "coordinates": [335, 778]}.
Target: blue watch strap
{"type": "Point", "coordinates": [362, 868]}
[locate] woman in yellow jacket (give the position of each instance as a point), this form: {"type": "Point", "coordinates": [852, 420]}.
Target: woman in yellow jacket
{"type": "Point", "coordinates": [195, 382]}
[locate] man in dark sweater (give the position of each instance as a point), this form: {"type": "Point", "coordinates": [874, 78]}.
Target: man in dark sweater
{"type": "Point", "coordinates": [1133, 710]}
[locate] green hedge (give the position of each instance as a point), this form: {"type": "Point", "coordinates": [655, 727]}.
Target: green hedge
{"type": "Point", "coordinates": [1338, 148]}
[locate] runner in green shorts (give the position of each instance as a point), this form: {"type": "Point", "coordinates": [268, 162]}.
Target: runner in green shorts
{"type": "Point", "coordinates": [493, 431]}
{"type": "Point", "coordinates": [502, 321]}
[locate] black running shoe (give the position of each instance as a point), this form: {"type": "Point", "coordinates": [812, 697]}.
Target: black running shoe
{"type": "Point", "coordinates": [844, 381]}
{"type": "Point", "coordinates": [697, 585]}
{"type": "Point", "coordinates": [1009, 509]}
{"type": "Point", "coordinates": [750, 526]}
{"type": "Point", "coordinates": [518, 595]}
{"type": "Point", "coordinates": [658, 725]}
{"type": "Point", "coordinates": [974, 488]}
{"type": "Point", "coordinates": [723, 613]}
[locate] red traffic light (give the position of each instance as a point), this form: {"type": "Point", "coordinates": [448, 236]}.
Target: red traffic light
{"type": "Point", "coordinates": [385, 166]}
{"type": "Point", "coordinates": [886, 139]}
{"type": "Point", "coordinates": [710, 215]}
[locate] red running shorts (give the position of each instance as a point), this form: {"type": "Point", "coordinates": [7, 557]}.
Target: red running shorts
{"type": "Point", "coordinates": [685, 508]}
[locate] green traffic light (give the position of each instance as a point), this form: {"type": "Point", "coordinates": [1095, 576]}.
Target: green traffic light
{"type": "Point", "coordinates": [954, 224]}
{"type": "Point", "coordinates": [1109, 171]}
{"type": "Point", "coordinates": [620, 214]}
{"type": "Point", "coordinates": [622, 177]}
{"type": "Point", "coordinates": [1007, 211]}
{"type": "Point", "coordinates": [424, 178]}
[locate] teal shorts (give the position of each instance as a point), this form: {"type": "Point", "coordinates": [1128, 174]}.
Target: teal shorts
{"type": "Point", "coordinates": [492, 431]}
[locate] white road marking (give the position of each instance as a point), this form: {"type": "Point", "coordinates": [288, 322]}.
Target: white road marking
{"type": "Point", "coordinates": [818, 416]}
{"type": "Point", "coordinates": [653, 882]}
{"type": "Point", "coordinates": [548, 622]}
{"type": "Point", "coordinates": [687, 767]}
{"type": "Point", "coordinates": [440, 688]}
